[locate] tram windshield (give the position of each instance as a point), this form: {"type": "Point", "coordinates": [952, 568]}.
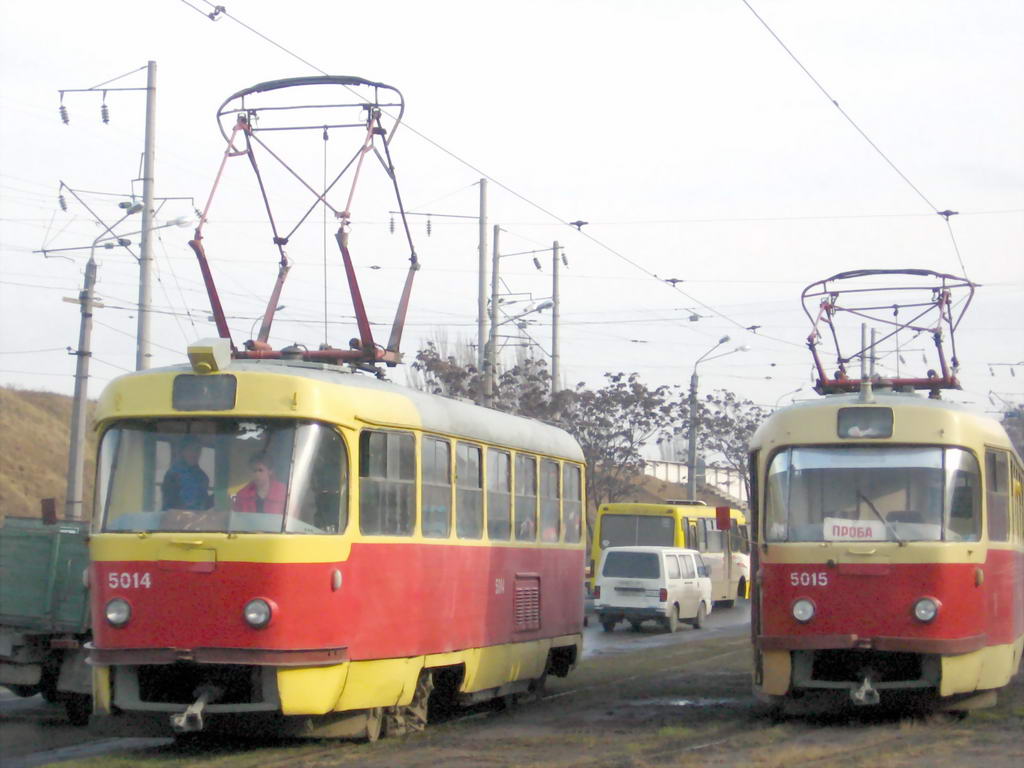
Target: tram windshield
{"type": "Point", "coordinates": [873, 493]}
{"type": "Point", "coordinates": [229, 475]}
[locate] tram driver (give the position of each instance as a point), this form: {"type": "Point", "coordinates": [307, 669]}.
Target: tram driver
{"type": "Point", "coordinates": [186, 485]}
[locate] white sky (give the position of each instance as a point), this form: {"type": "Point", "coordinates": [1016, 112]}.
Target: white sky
{"type": "Point", "coordinates": [681, 130]}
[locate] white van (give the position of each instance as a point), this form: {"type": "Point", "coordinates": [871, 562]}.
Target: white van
{"type": "Point", "coordinates": [662, 583]}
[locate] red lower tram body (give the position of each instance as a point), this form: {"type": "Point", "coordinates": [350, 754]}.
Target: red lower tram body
{"type": "Point", "coordinates": [865, 636]}
{"type": "Point", "coordinates": [352, 634]}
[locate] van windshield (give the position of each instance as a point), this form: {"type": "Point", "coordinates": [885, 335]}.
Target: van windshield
{"type": "Point", "coordinates": [631, 565]}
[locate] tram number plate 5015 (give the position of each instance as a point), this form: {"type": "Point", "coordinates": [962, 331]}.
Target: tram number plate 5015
{"type": "Point", "coordinates": [126, 580]}
{"type": "Point", "coordinates": [806, 579]}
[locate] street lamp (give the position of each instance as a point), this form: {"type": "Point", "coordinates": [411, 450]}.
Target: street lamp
{"type": "Point", "coordinates": [76, 444]}
{"type": "Point", "coordinates": [691, 458]}
{"type": "Point", "coordinates": [786, 394]}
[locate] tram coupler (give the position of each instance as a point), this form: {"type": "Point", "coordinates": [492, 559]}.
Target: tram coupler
{"type": "Point", "coordinates": [865, 695]}
{"type": "Point", "coordinates": [191, 720]}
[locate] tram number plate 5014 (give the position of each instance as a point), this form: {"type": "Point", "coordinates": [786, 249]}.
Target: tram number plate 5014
{"type": "Point", "coordinates": [809, 579]}
{"type": "Point", "coordinates": [126, 580]}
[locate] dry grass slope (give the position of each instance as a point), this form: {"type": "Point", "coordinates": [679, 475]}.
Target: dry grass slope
{"type": "Point", "coordinates": [34, 430]}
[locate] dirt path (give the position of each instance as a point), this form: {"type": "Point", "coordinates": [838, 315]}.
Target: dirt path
{"type": "Point", "coordinates": [687, 704]}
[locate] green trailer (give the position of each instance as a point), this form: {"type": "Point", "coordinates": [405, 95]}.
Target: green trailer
{"type": "Point", "coordinates": [44, 611]}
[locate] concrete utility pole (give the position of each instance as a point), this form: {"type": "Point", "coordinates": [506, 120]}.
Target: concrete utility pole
{"type": "Point", "coordinates": [490, 361]}
{"type": "Point", "coordinates": [481, 338]}
{"type": "Point", "coordinates": [76, 450]}
{"type": "Point", "coordinates": [554, 318]}
{"type": "Point", "coordinates": [691, 453]}
{"type": "Point", "coordinates": [146, 246]}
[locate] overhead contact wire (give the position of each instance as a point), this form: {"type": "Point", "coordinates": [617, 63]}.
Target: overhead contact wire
{"type": "Point", "coordinates": [503, 186]}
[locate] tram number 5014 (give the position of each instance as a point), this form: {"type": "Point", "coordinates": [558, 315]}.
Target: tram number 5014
{"type": "Point", "coordinates": [117, 580]}
{"type": "Point", "coordinates": [805, 579]}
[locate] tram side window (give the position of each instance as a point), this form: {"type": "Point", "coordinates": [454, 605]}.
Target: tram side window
{"type": "Point", "coordinates": [997, 494]}
{"type": "Point", "coordinates": [550, 513]}
{"type": "Point", "coordinates": [526, 498]}
{"type": "Point", "coordinates": [1016, 502]}
{"type": "Point", "coordinates": [387, 483]}
{"type": "Point", "coordinates": [437, 488]}
{"type": "Point", "coordinates": [572, 502]}
{"type": "Point", "coordinates": [469, 494]}
{"type": "Point", "coordinates": [318, 502]}
{"type": "Point", "coordinates": [499, 495]}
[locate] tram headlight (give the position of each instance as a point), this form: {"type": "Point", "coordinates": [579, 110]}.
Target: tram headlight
{"type": "Point", "coordinates": [258, 613]}
{"type": "Point", "coordinates": [926, 609]}
{"type": "Point", "coordinates": [118, 611]}
{"type": "Point", "coordinates": [803, 610]}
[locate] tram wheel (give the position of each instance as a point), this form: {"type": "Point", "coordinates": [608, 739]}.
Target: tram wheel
{"type": "Point", "coordinates": [672, 622]}
{"type": "Point", "coordinates": [412, 718]}
{"type": "Point", "coordinates": [635, 625]}
{"type": "Point", "coordinates": [609, 626]}
{"type": "Point", "coordinates": [374, 724]}
{"type": "Point", "coordinates": [24, 691]}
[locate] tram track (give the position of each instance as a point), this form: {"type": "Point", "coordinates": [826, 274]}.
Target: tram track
{"type": "Point", "coordinates": [685, 704]}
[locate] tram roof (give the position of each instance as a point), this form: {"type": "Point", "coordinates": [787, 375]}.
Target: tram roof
{"type": "Point", "coordinates": [437, 413]}
{"type": "Point", "coordinates": [985, 428]}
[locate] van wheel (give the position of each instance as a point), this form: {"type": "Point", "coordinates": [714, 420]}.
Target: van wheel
{"type": "Point", "coordinates": [635, 624]}
{"type": "Point", "coordinates": [609, 626]}
{"type": "Point", "coordinates": [672, 622]}
{"type": "Point", "coordinates": [701, 617]}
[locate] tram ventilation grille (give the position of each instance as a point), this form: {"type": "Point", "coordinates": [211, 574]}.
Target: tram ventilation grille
{"type": "Point", "coordinates": [526, 604]}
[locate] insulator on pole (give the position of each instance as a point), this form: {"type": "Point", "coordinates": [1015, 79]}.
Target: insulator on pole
{"type": "Point", "coordinates": [63, 202]}
{"type": "Point", "coordinates": [428, 226]}
{"type": "Point", "coordinates": [391, 225]}
{"type": "Point", "coordinates": [105, 112]}
{"type": "Point", "coordinates": [64, 114]}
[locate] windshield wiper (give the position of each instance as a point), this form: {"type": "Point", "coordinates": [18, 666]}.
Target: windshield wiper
{"type": "Point", "coordinates": [885, 522]}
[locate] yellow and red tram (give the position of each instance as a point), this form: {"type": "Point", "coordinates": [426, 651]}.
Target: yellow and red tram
{"type": "Point", "coordinates": [302, 545]}
{"type": "Point", "coordinates": [889, 551]}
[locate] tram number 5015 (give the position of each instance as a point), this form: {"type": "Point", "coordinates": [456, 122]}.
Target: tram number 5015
{"type": "Point", "coordinates": [117, 580]}
{"type": "Point", "coordinates": [805, 579]}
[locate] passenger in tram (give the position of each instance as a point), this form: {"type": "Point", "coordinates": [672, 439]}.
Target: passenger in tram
{"type": "Point", "coordinates": [264, 493]}
{"type": "Point", "coordinates": [186, 485]}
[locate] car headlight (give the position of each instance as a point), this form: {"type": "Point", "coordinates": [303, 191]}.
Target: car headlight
{"type": "Point", "coordinates": [118, 612]}
{"type": "Point", "coordinates": [926, 609]}
{"type": "Point", "coordinates": [803, 610]}
{"type": "Point", "coordinates": [257, 613]}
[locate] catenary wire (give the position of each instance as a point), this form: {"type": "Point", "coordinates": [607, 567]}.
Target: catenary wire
{"type": "Point", "coordinates": [597, 242]}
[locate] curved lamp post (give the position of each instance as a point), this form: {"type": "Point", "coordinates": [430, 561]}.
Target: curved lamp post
{"type": "Point", "coordinates": [691, 458]}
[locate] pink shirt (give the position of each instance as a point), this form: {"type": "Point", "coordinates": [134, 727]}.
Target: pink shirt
{"type": "Point", "coordinates": [248, 500]}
